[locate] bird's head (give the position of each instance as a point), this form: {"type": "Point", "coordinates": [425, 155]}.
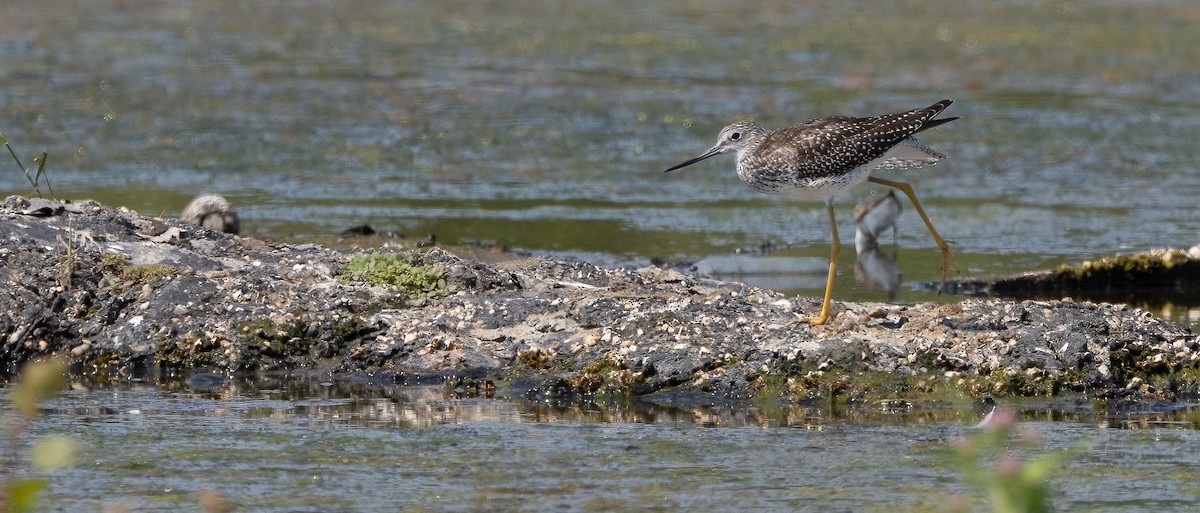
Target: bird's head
{"type": "Point", "coordinates": [738, 137]}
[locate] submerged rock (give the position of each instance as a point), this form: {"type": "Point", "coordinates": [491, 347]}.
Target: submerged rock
{"type": "Point", "coordinates": [1162, 275]}
{"type": "Point", "coordinates": [107, 288]}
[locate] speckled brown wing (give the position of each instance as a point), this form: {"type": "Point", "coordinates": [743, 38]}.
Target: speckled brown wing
{"type": "Point", "coordinates": [836, 145]}
{"type": "Point", "coordinates": [822, 148]}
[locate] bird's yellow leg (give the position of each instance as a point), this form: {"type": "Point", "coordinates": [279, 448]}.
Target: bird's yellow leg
{"type": "Point", "coordinates": [947, 255]}
{"type": "Point", "coordinates": [833, 260]}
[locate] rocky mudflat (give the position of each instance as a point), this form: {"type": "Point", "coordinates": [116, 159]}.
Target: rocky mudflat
{"type": "Point", "coordinates": [115, 290]}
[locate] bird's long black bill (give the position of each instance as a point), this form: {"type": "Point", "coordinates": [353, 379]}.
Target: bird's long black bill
{"type": "Point", "coordinates": [705, 155]}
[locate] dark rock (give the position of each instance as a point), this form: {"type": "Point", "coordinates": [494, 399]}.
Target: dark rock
{"type": "Point", "coordinates": [361, 230]}
{"type": "Point", "coordinates": [113, 289]}
{"type": "Point", "coordinates": [1159, 276]}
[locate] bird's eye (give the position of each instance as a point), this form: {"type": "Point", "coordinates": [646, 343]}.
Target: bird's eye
{"type": "Point", "coordinates": [735, 136]}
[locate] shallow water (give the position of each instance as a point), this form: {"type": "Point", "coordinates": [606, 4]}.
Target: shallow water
{"type": "Point", "coordinates": [296, 445]}
{"type": "Point", "coordinates": [545, 126]}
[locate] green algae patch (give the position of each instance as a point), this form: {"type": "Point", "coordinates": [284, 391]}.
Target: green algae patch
{"type": "Point", "coordinates": [1184, 383]}
{"type": "Point", "coordinates": [264, 343]}
{"type": "Point", "coordinates": [399, 270]}
{"type": "Point", "coordinates": [603, 365]}
{"type": "Point", "coordinates": [601, 381]}
{"type": "Point", "coordinates": [536, 358]}
{"type": "Point", "coordinates": [1124, 266]}
{"type": "Point", "coordinates": [112, 262]}
{"type": "Point", "coordinates": [117, 265]}
{"type": "Point", "coordinates": [194, 351]}
{"type": "Point", "coordinates": [854, 387]}
{"type": "Point", "coordinates": [145, 273]}
{"type": "Point", "coordinates": [838, 386]}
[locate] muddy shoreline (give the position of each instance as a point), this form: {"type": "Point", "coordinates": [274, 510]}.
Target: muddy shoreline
{"type": "Point", "coordinates": [116, 290]}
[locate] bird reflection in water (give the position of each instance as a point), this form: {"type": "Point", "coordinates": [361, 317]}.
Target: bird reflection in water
{"type": "Point", "coordinates": [875, 269]}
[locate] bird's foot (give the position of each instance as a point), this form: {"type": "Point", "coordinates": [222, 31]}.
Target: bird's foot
{"type": "Point", "coordinates": [811, 321]}
{"type": "Point", "coordinates": [949, 259]}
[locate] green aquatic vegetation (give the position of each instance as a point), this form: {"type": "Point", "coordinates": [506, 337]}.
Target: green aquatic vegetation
{"type": "Point", "coordinates": [402, 271]}
{"type": "Point", "coordinates": [38, 381]}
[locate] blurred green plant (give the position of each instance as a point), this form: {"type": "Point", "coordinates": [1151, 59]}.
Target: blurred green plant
{"type": "Point", "coordinates": [37, 381]}
{"type": "Point", "coordinates": [995, 458]}
{"type": "Point", "coordinates": [41, 169]}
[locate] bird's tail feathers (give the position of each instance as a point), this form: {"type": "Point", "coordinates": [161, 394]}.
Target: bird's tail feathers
{"type": "Point", "coordinates": [910, 153]}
